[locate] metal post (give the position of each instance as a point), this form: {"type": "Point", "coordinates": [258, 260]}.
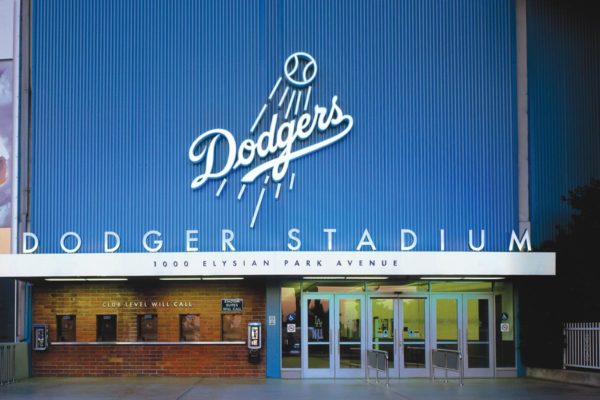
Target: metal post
{"type": "Point", "coordinates": [387, 371]}
{"type": "Point", "coordinates": [7, 363]}
{"type": "Point", "coordinates": [443, 364]}
{"type": "Point", "coordinates": [13, 364]}
{"type": "Point", "coordinates": [582, 345]}
{"type": "Point", "coordinates": [462, 369]}
{"type": "Point", "coordinates": [565, 341]}
{"type": "Point", "coordinates": [446, 367]}
{"type": "Point", "coordinates": [432, 367]}
{"type": "Point", "coordinates": [378, 359]}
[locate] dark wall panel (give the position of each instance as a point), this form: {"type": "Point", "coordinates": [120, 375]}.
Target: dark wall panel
{"type": "Point", "coordinates": [564, 105]}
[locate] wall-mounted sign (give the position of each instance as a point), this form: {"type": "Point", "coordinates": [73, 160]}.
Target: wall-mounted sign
{"type": "Point", "coordinates": [146, 304]}
{"type": "Point", "coordinates": [293, 123]}
{"type": "Point", "coordinates": [232, 305]}
{"type": "Point", "coordinates": [272, 320]}
{"type": "Point", "coordinates": [278, 263]}
{"type": "Point", "coordinates": [504, 327]}
{"type": "Point", "coordinates": [504, 316]}
{"type": "Point", "coordinates": [291, 328]}
{"type": "Point", "coordinates": [153, 241]}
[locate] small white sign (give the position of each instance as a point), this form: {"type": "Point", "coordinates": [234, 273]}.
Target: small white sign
{"type": "Point", "coordinates": [291, 328]}
{"type": "Point", "coordinates": [272, 320]}
{"type": "Point", "coordinates": [505, 327]}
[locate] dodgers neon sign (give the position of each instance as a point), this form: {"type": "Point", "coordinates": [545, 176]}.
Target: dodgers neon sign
{"type": "Point", "coordinates": [291, 123]}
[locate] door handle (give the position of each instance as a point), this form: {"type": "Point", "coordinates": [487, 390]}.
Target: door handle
{"type": "Point", "coordinates": [331, 341]}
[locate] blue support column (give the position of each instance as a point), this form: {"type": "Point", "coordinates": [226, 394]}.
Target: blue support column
{"type": "Point", "coordinates": [519, 361]}
{"type": "Point", "coordinates": [273, 342]}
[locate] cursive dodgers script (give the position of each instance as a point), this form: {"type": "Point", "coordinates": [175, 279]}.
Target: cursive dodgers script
{"type": "Point", "coordinates": [279, 141]}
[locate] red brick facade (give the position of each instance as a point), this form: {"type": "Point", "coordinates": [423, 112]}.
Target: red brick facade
{"type": "Point", "coordinates": [86, 300]}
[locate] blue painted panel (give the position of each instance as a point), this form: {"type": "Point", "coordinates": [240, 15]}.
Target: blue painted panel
{"type": "Point", "coordinates": [564, 104]}
{"type": "Point", "coordinates": [120, 95]}
{"type": "Point", "coordinates": [273, 342]}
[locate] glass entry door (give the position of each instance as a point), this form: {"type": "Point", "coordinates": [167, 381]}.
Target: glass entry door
{"type": "Point", "coordinates": [400, 327]}
{"type": "Point", "coordinates": [383, 315]}
{"type": "Point", "coordinates": [333, 327]}
{"type": "Point", "coordinates": [477, 341]}
{"type": "Point", "coordinates": [348, 351]}
{"type": "Point", "coordinates": [317, 324]}
{"type": "Point", "coordinates": [414, 348]}
{"type": "Point", "coordinates": [463, 323]}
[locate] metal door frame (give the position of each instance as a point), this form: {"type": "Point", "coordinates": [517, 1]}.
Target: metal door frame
{"type": "Point", "coordinates": [334, 370]}
{"type": "Point", "coordinates": [394, 372]}
{"type": "Point", "coordinates": [480, 372]}
{"type": "Point", "coordinates": [462, 324]}
{"type": "Point", "coordinates": [349, 372]}
{"type": "Point", "coordinates": [412, 372]}
{"type": "Point", "coordinates": [317, 372]}
{"type": "Point", "coordinates": [433, 323]}
{"type": "Point", "coordinates": [398, 343]}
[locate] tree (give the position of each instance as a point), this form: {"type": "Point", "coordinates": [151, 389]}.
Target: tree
{"type": "Point", "coordinates": [573, 295]}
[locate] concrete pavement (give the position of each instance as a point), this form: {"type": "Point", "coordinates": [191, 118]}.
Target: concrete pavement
{"type": "Point", "coordinates": [249, 389]}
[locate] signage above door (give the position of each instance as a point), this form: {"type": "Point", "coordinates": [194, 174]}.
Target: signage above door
{"type": "Point", "coordinates": [410, 263]}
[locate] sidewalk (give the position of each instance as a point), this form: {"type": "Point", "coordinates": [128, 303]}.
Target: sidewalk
{"type": "Point", "coordinates": [250, 389]}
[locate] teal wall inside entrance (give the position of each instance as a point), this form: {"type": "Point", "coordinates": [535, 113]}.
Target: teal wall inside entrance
{"type": "Point", "coordinates": [273, 342]}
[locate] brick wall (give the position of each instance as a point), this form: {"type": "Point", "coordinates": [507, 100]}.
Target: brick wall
{"type": "Point", "coordinates": [86, 300]}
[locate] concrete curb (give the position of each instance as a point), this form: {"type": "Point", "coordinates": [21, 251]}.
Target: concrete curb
{"type": "Point", "coordinates": [565, 376]}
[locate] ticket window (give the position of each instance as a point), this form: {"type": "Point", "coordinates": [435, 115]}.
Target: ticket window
{"type": "Point", "coordinates": [189, 327]}
{"type": "Point", "coordinates": [106, 328]}
{"type": "Point", "coordinates": [65, 328]}
{"type": "Point", "coordinates": [148, 328]}
{"type": "Point", "coordinates": [232, 328]}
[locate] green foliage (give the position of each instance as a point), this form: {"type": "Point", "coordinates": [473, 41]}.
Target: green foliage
{"type": "Point", "coordinates": [572, 295]}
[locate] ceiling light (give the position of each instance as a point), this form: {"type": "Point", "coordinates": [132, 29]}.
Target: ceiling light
{"type": "Point", "coordinates": [322, 278]}
{"type": "Point", "coordinates": [181, 279]}
{"type": "Point", "coordinates": [440, 278]}
{"type": "Point", "coordinates": [105, 279]}
{"type": "Point", "coordinates": [366, 277]}
{"type": "Point", "coordinates": [65, 279]}
{"type": "Point", "coordinates": [224, 278]}
{"type": "Point", "coordinates": [483, 278]}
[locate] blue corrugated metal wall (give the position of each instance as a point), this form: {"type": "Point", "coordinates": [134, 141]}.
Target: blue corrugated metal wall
{"type": "Point", "coordinates": [564, 105]}
{"type": "Point", "coordinates": [122, 88]}
{"type": "Point", "coordinates": [273, 341]}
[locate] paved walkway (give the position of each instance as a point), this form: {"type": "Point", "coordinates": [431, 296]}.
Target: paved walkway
{"type": "Point", "coordinates": [251, 389]}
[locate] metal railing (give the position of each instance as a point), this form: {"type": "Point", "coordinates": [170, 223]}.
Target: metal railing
{"type": "Point", "coordinates": [448, 360]}
{"type": "Point", "coordinates": [7, 363]}
{"type": "Point", "coordinates": [378, 360]}
{"type": "Point", "coordinates": [582, 345]}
